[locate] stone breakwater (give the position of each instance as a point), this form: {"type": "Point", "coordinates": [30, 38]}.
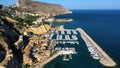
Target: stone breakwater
{"type": "Point", "coordinates": [105, 59]}
{"type": "Point", "coordinates": [41, 65]}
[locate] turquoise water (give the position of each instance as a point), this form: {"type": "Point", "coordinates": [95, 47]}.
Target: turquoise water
{"type": "Point", "coordinates": [103, 26]}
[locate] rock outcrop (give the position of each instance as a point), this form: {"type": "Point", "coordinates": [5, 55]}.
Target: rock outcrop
{"type": "Point", "coordinates": [41, 8]}
{"type": "Point", "coordinates": [42, 29]}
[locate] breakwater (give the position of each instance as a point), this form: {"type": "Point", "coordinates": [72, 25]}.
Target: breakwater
{"type": "Point", "coordinates": [41, 65]}
{"type": "Point", "coordinates": [104, 58]}
{"type": "Point", "coordinates": [59, 52]}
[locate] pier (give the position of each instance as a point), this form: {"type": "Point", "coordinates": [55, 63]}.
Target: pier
{"type": "Point", "coordinates": [64, 36]}
{"type": "Point", "coordinates": [66, 31]}
{"type": "Point", "coordinates": [98, 53]}
{"type": "Point", "coordinates": [67, 37]}
{"type": "Point", "coordinates": [66, 42]}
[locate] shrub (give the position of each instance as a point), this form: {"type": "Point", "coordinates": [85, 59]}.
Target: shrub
{"type": "Point", "coordinates": [1, 34]}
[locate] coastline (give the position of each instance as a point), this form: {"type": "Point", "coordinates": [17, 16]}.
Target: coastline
{"type": "Point", "coordinates": [105, 60]}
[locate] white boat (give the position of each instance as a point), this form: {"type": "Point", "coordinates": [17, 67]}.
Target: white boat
{"type": "Point", "coordinates": [95, 56]}
{"type": "Point", "coordinates": [65, 58]}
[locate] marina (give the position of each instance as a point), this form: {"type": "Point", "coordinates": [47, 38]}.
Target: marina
{"type": "Point", "coordinates": [64, 36]}
{"type": "Point", "coordinates": [63, 41]}
{"type": "Point", "coordinates": [101, 26]}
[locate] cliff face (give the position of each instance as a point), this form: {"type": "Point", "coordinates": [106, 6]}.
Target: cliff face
{"type": "Point", "coordinates": [40, 30]}
{"type": "Point", "coordinates": [49, 9]}
{"type": "Point", "coordinates": [42, 8]}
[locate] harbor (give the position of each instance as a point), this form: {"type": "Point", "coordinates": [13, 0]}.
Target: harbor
{"type": "Point", "coordinates": [58, 37]}
{"type": "Point", "coordinates": [65, 44]}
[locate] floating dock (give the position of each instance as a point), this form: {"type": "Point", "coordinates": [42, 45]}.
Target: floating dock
{"type": "Point", "coordinates": [105, 59]}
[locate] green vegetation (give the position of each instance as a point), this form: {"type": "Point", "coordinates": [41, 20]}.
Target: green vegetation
{"type": "Point", "coordinates": [44, 22]}
{"type": "Point", "coordinates": [4, 13]}
{"type": "Point", "coordinates": [29, 19]}
{"type": "Point", "coordinates": [18, 19]}
{"type": "Point", "coordinates": [53, 53]}
{"type": "Point", "coordinates": [26, 66]}
{"type": "Point", "coordinates": [7, 11]}
{"type": "Point", "coordinates": [1, 34]}
{"type": "Point", "coordinates": [66, 18]}
{"type": "Point", "coordinates": [25, 22]}
{"type": "Point", "coordinates": [21, 22]}
{"type": "Point", "coordinates": [19, 25]}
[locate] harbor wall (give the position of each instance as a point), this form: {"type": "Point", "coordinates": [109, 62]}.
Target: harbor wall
{"type": "Point", "coordinates": [105, 60]}
{"type": "Point", "coordinates": [41, 65]}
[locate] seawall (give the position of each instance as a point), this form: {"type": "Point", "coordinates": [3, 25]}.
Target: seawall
{"type": "Point", "coordinates": [41, 65]}
{"type": "Point", "coordinates": [105, 60]}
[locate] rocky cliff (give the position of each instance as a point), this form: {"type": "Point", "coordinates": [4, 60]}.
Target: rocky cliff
{"type": "Point", "coordinates": [42, 29]}
{"type": "Point", "coordinates": [41, 8]}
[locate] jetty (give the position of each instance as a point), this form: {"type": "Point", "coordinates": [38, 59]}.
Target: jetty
{"type": "Point", "coordinates": [64, 36]}
{"type": "Point", "coordinates": [66, 31]}
{"type": "Point", "coordinates": [104, 58]}
{"type": "Point", "coordinates": [41, 65]}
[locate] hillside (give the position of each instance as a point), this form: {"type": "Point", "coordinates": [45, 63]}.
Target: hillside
{"type": "Point", "coordinates": [42, 8]}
